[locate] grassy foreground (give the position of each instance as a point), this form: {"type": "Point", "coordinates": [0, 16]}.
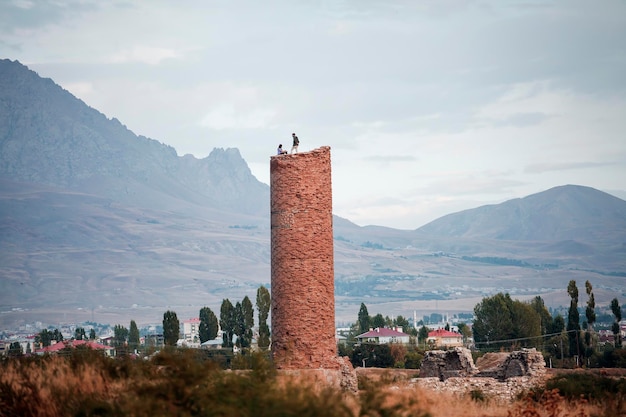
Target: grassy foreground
{"type": "Point", "coordinates": [185, 383]}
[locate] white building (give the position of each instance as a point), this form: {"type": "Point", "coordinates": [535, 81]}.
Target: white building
{"type": "Point", "coordinates": [383, 336]}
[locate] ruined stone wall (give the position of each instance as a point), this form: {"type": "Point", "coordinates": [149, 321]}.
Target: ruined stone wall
{"type": "Point", "coordinates": [302, 267]}
{"type": "Point", "coordinates": [444, 364]}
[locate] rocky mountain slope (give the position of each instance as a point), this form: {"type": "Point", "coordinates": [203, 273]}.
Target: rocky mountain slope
{"type": "Point", "coordinates": [48, 136]}
{"type": "Point", "coordinates": [99, 224]}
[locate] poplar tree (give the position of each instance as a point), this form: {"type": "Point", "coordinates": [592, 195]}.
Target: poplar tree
{"type": "Point", "coordinates": [227, 322]}
{"type": "Point", "coordinates": [120, 335]}
{"type": "Point", "coordinates": [263, 304]}
{"type": "Point", "coordinates": [423, 334]}
{"type": "Point", "coordinates": [539, 306]}
{"type": "Point", "coordinates": [573, 320]}
{"type": "Point", "coordinates": [590, 313]}
{"type": "Point", "coordinates": [133, 336]}
{"type": "Point", "coordinates": [617, 312]}
{"type": "Point", "coordinates": [79, 333]}
{"type": "Point", "coordinates": [208, 325]}
{"type": "Point", "coordinates": [171, 328]}
{"type": "Point", "coordinates": [364, 319]}
{"type": "Point", "coordinates": [247, 311]}
{"type": "Point", "coordinates": [240, 325]}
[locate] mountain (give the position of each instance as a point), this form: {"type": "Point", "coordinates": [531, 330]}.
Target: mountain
{"type": "Point", "coordinates": [97, 223]}
{"type": "Point", "coordinates": [48, 136]}
{"type": "Point", "coordinates": [568, 212]}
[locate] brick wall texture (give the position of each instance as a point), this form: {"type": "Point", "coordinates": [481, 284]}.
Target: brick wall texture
{"type": "Point", "coordinates": [302, 268]}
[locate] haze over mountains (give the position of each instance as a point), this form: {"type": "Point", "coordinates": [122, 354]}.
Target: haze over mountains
{"type": "Point", "coordinates": [99, 224]}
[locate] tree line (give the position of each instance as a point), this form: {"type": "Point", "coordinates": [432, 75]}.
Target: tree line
{"type": "Point", "coordinates": [236, 322]}
{"type": "Point", "coordinates": [500, 321]}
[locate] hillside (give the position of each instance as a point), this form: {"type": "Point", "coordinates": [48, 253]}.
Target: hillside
{"type": "Point", "coordinates": [569, 212]}
{"type": "Point", "coordinates": [48, 136]}
{"type": "Point", "coordinates": [97, 223]}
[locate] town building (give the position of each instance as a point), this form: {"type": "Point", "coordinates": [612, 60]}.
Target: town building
{"type": "Point", "coordinates": [444, 338]}
{"type": "Point", "coordinates": [382, 336]}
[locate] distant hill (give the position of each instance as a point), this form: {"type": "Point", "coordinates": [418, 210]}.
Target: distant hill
{"type": "Point", "coordinates": [97, 223]}
{"type": "Point", "coordinates": [569, 212]}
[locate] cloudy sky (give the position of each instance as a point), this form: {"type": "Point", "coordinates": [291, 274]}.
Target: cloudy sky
{"type": "Point", "coordinates": [429, 106]}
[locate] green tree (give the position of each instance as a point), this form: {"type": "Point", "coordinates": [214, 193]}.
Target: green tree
{"type": "Point", "coordinates": [239, 324]}
{"type": "Point", "coordinates": [79, 333]}
{"type": "Point", "coordinates": [43, 338]}
{"type": "Point", "coordinates": [413, 359]}
{"type": "Point", "coordinates": [545, 318]}
{"type": "Point", "coordinates": [171, 328]}
{"type": "Point", "coordinates": [133, 336]}
{"type": "Point", "coordinates": [15, 349]}
{"type": "Point", "coordinates": [526, 324]}
{"type": "Point", "coordinates": [573, 320]}
{"type": "Point", "coordinates": [372, 355]}
{"type": "Point", "coordinates": [208, 325]}
{"type": "Point", "coordinates": [228, 321]}
{"type": "Point", "coordinates": [120, 335]}
{"type": "Point", "coordinates": [465, 330]}
{"type": "Point", "coordinates": [57, 335]}
{"type": "Point", "coordinates": [493, 319]}
{"type": "Point", "coordinates": [378, 321]}
{"type": "Point", "coordinates": [28, 350]}
{"type": "Point", "coordinates": [247, 311]}
{"type": "Point", "coordinates": [422, 335]}
{"type": "Point", "coordinates": [403, 323]}
{"type": "Point", "coordinates": [590, 313]}
{"type": "Point", "coordinates": [617, 312]}
{"type": "Point", "coordinates": [263, 304]}
{"type": "Point", "coordinates": [364, 319]}
{"type": "Point", "coordinates": [92, 334]}
{"type": "Point", "coordinates": [558, 325]}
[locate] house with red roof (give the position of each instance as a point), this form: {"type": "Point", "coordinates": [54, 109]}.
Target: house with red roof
{"type": "Point", "coordinates": [444, 338]}
{"type": "Point", "coordinates": [382, 336]}
{"type": "Point", "coordinates": [59, 346]}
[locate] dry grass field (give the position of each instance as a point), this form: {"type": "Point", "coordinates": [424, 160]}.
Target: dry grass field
{"type": "Point", "coordinates": [184, 383]}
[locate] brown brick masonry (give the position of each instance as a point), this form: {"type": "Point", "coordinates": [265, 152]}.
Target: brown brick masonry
{"type": "Point", "coordinates": [303, 297]}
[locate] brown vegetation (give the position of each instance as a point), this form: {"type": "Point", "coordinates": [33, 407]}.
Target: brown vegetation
{"type": "Point", "coordinates": [185, 383]}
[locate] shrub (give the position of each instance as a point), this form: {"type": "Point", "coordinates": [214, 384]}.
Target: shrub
{"type": "Point", "coordinates": [588, 386]}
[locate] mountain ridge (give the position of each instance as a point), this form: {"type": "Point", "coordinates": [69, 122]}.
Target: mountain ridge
{"type": "Point", "coordinates": [100, 224]}
{"type": "Point", "coordinates": [79, 148]}
{"type": "Point", "coordinates": [558, 207]}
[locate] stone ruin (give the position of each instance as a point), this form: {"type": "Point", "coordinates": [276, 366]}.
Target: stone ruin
{"type": "Point", "coordinates": [444, 364]}
{"type": "Point", "coordinates": [501, 366]}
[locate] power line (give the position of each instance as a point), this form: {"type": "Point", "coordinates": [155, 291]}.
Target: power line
{"type": "Point", "coordinates": [524, 338]}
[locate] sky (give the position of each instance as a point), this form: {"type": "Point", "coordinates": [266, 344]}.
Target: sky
{"type": "Point", "coordinates": [429, 106]}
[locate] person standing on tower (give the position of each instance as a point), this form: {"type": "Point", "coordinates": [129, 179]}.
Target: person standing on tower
{"type": "Point", "coordinates": [296, 142]}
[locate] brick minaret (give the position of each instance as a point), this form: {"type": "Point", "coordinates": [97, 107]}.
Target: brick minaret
{"type": "Point", "coordinates": [303, 290]}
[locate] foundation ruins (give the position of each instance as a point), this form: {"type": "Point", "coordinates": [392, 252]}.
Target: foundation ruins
{"type": "Point", "coordinates": [498, 375]}
{"type": "Point", "coordinates": [500, 365]}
